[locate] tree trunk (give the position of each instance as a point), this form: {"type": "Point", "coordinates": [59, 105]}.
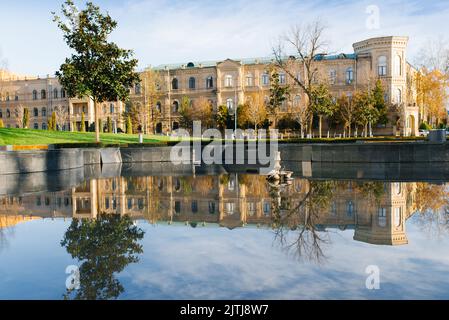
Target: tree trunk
{"type": "Point", "coordinates": [319, 125]}
{"type": "Point", "coordinates": [97, 119]}
{"type": "Point", "coordinates": [349, 131]}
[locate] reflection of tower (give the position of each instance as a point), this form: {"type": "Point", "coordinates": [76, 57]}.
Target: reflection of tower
{"type": "Point", "coordinates": [386, 225]}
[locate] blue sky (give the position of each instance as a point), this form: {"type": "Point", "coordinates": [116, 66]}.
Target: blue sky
{"type": "Point", "coordinates": [164, 31]}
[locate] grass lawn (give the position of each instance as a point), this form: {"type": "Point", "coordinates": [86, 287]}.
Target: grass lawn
{"type": "Point", "coordinates": [14, 136]}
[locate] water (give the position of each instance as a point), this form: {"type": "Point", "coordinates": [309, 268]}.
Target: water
{"type": "Point", "coordinates": [222, 236]}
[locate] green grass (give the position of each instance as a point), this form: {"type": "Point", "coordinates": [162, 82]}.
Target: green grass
{"type": "Point", "coordinates": [12, 136]}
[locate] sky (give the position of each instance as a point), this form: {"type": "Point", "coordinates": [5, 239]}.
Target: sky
{"type": "Point", "coordinates": [174, 31]}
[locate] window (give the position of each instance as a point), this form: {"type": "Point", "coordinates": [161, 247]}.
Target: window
{"type": "Point", "coordinates": [111, 108]}
{"type": "Point", "coordinates": [382, 217]}
{"type": "Point", "coordinates": [44, 112]}
{"type": "Point", "coordinates": [228, 81]}
{"type": "Point", "coordinates": [159, 106]}
{"type": "Point", "coordinates": [282, 78]}
{"type": "Point", "coordinates": [106, 203]}
{"type": "Point", "coordinates": [175, 106]}
{"type": "Point", "coordinates": [192, 83]}
{"type": "Point", "coordinates": [55, 93]}
{"type": "Point", "coordinates": [137, 88]}
{"type": "Point", "coordinates": [130, 203]}
{"type": "Point", "coordinates": [16, 97]}
{"type": "Point", "coordinates": [397, 187]}
{"type": "Point", "coordinates": [297, 101]}
{"type": "Point", "coordinates": [334, 208]}
{"type": "Point", "coordinates": [332, 76]}
{"type": "Point", "coordinates": [43, 94]}
{"type": "Point", "coordinates": [266, 208]}
{"type": "Point", "coordinates": [47, 201]}
{"type": "Point", "coordinates": [251, 208]}
{"type": "Point", "coordinates": [38, 201]}
{"type": "Point", "coordinates": [230, 104]}
{"type": "Point", "coordinates": [265, 79]}
{"type": "Point", "coordinates": [397, 216]}
{"type": "Point", "coordinates": [211, 207]}
{"type": "Point", "coordinates": [349, 75]}
{"type": "Point", "coordinates": [209, 82]}
{"type": "Point", "coordinates": [1, 113]}
{"type": "Point", "coordinates": [398, 66]}
{"type": "Point", "coordinates": [62, 93]}
{"type": "Point", "coordinates": [36, 126]}
{"type": "Point", "coordinates": [34, 95]}
{"type": "Point", "coordinates": [44, 126]}
{"type": "Point", "coordinates": [230, 208]}
{"type": "Point", "coordinates": [140, 204]}
{"type": "Point", "coordinates": [249, 82]}
{"type": "Point", "coordinates": [398, 95]}
{"type": "Point", "coordinates": [174, 84]}
{"type": "Point", "coordinates": [350, 209]}
{"type": "Point", "coordinates": [35, 112]}
{"type": "Point", "coordinates": [8, 113]}
{"type": "Point", "coordinates": [7, 96]}
{"type": "Point", "coordinates": [194, 206]}
{"type": "Point", "coordinates": [382, 66]}
{"type": "Point", "coordinates": [177, 207]}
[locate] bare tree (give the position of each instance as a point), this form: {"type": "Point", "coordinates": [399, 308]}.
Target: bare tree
{"type": "Point", "coordinates": [61, 116]}
{"type": "Point", "coordinates": [151, 85]}
{"type": "Point", "coordinates": [301, 114]}
{"type": "Point", "coordinates": [18, 114]}
{"type": "Point", "coordinates": [257, 111]}
{"type": "Point", "coordinates": [297, 55]}
{"type": "Point", "coordinates": [434, 56]}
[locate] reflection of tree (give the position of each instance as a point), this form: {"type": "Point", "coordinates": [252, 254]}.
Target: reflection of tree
{"type": "Point", "coordinates": [103, 246]}
{"type": "Point", "coordinates": [302, 218]}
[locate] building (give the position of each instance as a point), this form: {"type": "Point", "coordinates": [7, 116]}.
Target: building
{"type": "Point", "coordinates": [231, 82]}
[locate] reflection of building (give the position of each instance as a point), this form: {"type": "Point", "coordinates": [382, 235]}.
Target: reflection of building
{"type": "Point", "coordinates": [377, 211]}
{"type": "Point", "coordinates": [233, 82]}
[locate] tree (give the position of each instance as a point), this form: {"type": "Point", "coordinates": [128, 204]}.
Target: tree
{"type": "Point", "coordinates": [434, 56]}
{"type": "Point", "coordinates": [278, 95]}
{"type": "Point", "coordinates": [306, 45]}
{"type": "Point", "coordinates": [151, 83]}
{"type": "Point", "coordinates": [2, 125]}
{"type": "Point", "coordinates": [18, 113]}
{"type": "Point", "coordinates": [222, 117]}
{"type": "Point", "coordinates": [432, 94]}
{"type": "Point", "coordinates": [378, 94]}
{"type": "Point", "coordinates": [61, 116]}
{"type": "Point", "coordinates": [26, 118]}
{"type": "Point", "coordinates": [109, 124]}
{"type": "Point", "coordinates": [98, 69]}
{"type": "Point", "coordinates": [103, 247]}
{"type": "Point", "coordinates": [83, 122]}
{"type": "Point", "coordinates": [203, 110]}
{"type": "Point", "coordinates": [365, 112]}
{"type": "Point", "coordinates": [346, 112]}
{"type": "Point", "coordinates": [257, 110]}
{"type": "Point", "coordinates": [322, 104]}
{"type": "Point", "coordinates": [185, 111]}
{"type": "Point", "coordinates": [132, 111]}
{"type": "Point", "coordinates": [129, 126]}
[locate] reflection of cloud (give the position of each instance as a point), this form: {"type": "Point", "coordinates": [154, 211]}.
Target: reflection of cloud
{"type": "Point", "coordinates": [221, 264]}
{"type": "Point", "coordinates": [163, 31]}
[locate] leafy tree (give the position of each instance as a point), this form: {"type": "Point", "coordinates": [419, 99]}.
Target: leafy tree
{"type": "Point", "coordinates": [97, 69]}
{"type": "Point", "coordinates": [322, 104]}
{"type": "Point", "coordinates": [109, 124]}
{"type": "Point", "coordinates": [222, 117]}
{"type": "Point", "coordinates": [151, 82]}
{"type": "Point", "coordinates": [129, 125]}
{"type": "Point", "coordinates": [278, 95]}
{"type": "Point", "coordinates": [257, 110]}
{"type": "Point", "coordinates": [366, 113]}
{"type": "Point", "coordinates": [53, 121]}
{"type": "Point", "coordinates": [104, 247]}
{"type": "Point", "coordinates": [2, 125]}
{"type": "Point", "coordinates": [346, 112]}
{"type": "Point", "coordinates": [378, 94]}
{"type": "Point", "coordinates": [83, 123]}
{"type": "Point", "coordinates": [26, 118]}
{"type": "Point", "coordinates": [203, 111]}
{"type": "Point", "coordinates": [132, 112]}
{"type": "Point", "coordinates": [186, 113]}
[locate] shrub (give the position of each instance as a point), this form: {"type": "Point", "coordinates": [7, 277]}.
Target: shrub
{"type": "Point", "coordinates": [424, 126]}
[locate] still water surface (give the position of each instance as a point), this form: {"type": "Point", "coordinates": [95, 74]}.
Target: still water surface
{"type": "Point", "coordinates": [227, 236]}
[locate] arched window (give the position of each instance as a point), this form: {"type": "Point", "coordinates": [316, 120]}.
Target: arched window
{"type": "Point", "coordinates": [332, 76]}
{"type": "Point", "coordinates": [399, 96]}
{"type": "Point", "coordinates": [159, 128]}
{"type": "Point", "coordinates": [175, 106]}
{"type": "Point", "coordinates": [44, 112]}
{"type": "Point", "coordinates": [382, 66]}
{"type": "Point", "coordinates": [249, 80]}
{"type": "Point", "coordinates": [8, 113]}
{"type": "Point", "coordinates": [174, 84]}
{"type": "Point", "coordinates": [36, 126]}
{"type": "Point", "coordinates": [209, 82]}
{"type": "Point", "coordinates": [43, 94]}
{"type": "Point", "coordinates": [230, 104]}
{"type": "Point", "coordinates": [34, 95]}
{"type": "Point", "coordinates": [350, 209]}
{"type": "Point", "coordinates": [175, 125]}
{"type": "Point", "coordinates": [192, 83]}
{"type": "Point", "coordinates": [349, 75]}
{"type": "Point", "coordinates": [55, 93]}
{"type": "Point", "coordinates": [398, 65]}
{"type": "Point", "coordinates": [62, 93]}
{"type": "Point", "coordinates": [228, 80]}
{"type": "Point", "coordinates": [16, 97]}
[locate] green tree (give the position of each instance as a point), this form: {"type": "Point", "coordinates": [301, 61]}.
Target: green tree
{"type": "Point", "coordinates": [97, 69]}
{"type": "Point", "coordinates": [83, 123]}
{"type": "Point", "coordinates": [366, 113]}
{"type": "Point", "coordinates": [186, 113]}
{"type": "Point", "coordinates": [278, 95]}
{"type": "Point", "coordinates": [2, 125]}
{"type": "Point", "coordinates": [109, 124]}
{"type": "Point", "coordinates": [322, 104]}
{"type": "Point", "coordinates": [378, 94]}
{"type": "Point", "coordinates": [104, 247]}
{"type": "Point", "coordinates": [132, 112]}
{"type": "Point", "coordinates": [129, 125]}
{"type": "Point", "coordinates": [53, 121]}
{"type": "Point", "coordinates": [222, 117]}
{"type": "Point", "coordinates": [26, 118]}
